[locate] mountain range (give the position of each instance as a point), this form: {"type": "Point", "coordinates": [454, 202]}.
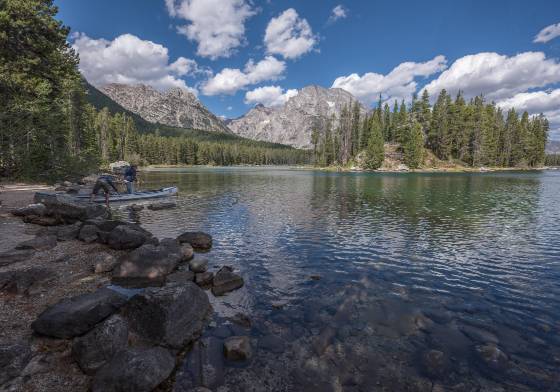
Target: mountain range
{"type": "Point", "coordinates": [290, 124]}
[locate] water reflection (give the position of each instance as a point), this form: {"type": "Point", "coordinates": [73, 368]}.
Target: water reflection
{"type": "Point", "coordinates": [427, 282]}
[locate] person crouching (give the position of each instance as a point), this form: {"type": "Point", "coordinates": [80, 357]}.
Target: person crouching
{"type": "Point", "coordinates": [105, 182]}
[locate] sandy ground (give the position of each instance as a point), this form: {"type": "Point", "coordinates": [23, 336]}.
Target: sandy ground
{"type": "Point", "coordinates": [70, 264]}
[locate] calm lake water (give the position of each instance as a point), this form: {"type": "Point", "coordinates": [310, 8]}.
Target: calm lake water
{"type": "Point", "coordinates": [367, 282]}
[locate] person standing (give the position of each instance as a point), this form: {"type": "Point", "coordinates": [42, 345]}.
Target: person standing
{"type": "Point", "coordinates": [130, 178]}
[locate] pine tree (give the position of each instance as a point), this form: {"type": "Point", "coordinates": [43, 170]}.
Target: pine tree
{"type": "Point", "coordinates": [375, 151]}
{"type": "Point", "coordinates": [413, 152]}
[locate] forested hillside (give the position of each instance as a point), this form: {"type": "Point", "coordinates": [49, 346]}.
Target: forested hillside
{"type": "Point", "coordinates": [473, 133]}
{"type": "Point", "coordinates": [48, 128]}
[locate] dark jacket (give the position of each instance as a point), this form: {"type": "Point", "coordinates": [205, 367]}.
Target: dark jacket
{"type": "Point", "coordinates": [130, 174]}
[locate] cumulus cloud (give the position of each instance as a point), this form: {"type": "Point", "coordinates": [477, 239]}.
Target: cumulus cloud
{"type": "Point", "coordinates": [496, 76]}
{"type": "Point", "coordinates": [398, 84]}
{"type": "Point", "coordinates": [338, 12]}
{"type": "Point", "coordinates": [230, 80]}
{"type": "Point", "coordinates": [548, 33]}
{"type": "Point", "coordinates": [131, 60]}
{"type": "Point", "coordinates": [288, 35]}
{"type": "Point", "coordinates": [217, 26]}
{"type": "Point", "coordinates": [270, 96]}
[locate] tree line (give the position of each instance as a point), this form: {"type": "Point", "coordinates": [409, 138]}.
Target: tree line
{"type": "Point", "coordinates": [49, 129]}
{"type": "Point", "coordinates": [473, 133]}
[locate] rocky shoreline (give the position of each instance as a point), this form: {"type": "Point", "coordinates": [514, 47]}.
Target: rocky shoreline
{"type": "Point", "coordinates": [94, 303]}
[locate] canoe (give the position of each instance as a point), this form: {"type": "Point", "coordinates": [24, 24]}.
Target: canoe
{"type": "Point", "coordinates": [141, 195]}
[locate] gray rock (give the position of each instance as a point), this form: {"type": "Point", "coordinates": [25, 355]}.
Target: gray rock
{"type": "Point", "coordinates": [77, 315]}
{"type": "Point", "coordinates": [225, 281]}
{"type": "Point", "coordinates": [134, 370]}
{"type": "Point", "coordinates": [68, 232]}
{"type": "Point", "coordinates": [176, 107]}
{"type": "Point", "coordinates": [203, 366]}
{"type": "Point", "coordinates": [68, 209]}
{"type": "Point", "coordinates": [147, 265]}
{"type": "Point", "coordinates": [479, 335]}
{"type": "Point", "coordinates": [15, 256]}
{"type": "Point", "coordinates": [24, 281]}
{"type": "Point", "coordinates": [204, 279]}
{"type": "Point", "coordinates": [199, 265]}
{"type": "Point", "coordinates": [492, 356]}
{"type": "Point", "coordinates": [37, 209]}
{"type": "Point", "coordinates": [127, 237]}
{"type": "Point", "coordinates": [180, 277]}
{"type": "Point", "coordinates": [187, 252]}
{"type": "Point", "coordinates": [237, 348]}
{"type": "Point", "coordinates": [162, 206]}
{"type": "Point", "coordinates": [88, 233]}
{"type": "Point", "coordinates": [42, 220]}
{"type": "Point", "coordinates": [99, 345]}
{"type": "Point", "coordinates": [13, 359]}
{"type": "Point", "coordinates": [103, 262]}
{"type": "Point", "coordinates": [38, 243]}
{"type": "Point", "coordinates": [171, 316]}
{"type": "Point", "coordinates": [136, 207]}
{"type": "Point", "coordinates": [197, 239]}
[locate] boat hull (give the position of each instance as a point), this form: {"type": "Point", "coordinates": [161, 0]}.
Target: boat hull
{"type": "Point", "coordinates": [136, 196]}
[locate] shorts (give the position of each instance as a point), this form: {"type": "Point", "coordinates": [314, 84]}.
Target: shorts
{"type": "Point", "coordinates": [100, 184]}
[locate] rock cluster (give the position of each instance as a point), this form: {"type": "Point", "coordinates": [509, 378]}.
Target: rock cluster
{"type": "Point", "coordinates": [123, 342]}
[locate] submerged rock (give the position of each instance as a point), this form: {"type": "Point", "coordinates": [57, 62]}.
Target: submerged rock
{"type": "Point", "coordinates": [13, 359]}
{"type": "Point", "coordinates": [38, 243]}
{"type": "Point", "coordinates": [225, 281]}
{"type": "Point", "coordinates": [77, 315]}
{"type": "Point", "coordinates": [204, 279]}
{"type": "Point", "coordinates": [197, 239]}
{"type": "Point", "coordinates": [203, 366]}
{"type": "Point", "coordinates": [435, 363]}
{"type": "Point", "coordinates": [172, 316]}
{"type": "Point", "coordinates": [492, 356]}
{"type": "Point", "coordinates": [237, 348]}
{"type": "Point", "coordinates": [99, 345]}
{"type": "Point", "coordinates": [148, 265]}
{"type": "Point", "coordinates": [135, 207]}
{"type": "Point", "coordinates": [162, 206]}
{"type": "Point", "coordinates": [134, 370]}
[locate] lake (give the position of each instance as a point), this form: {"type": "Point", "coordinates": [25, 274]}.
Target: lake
{"type": "Point", "coordinates": [366, 282]}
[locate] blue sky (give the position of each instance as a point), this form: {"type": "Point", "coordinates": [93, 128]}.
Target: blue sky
{"type": "Point", "coordinates": [236, 53]}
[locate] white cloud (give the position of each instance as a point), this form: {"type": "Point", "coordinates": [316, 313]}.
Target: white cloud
{"type": "Point", "coordinates": [398, 84]}
{"type": "Point", "coordinates": [270, 96]}
{"type": "Point", "coordinates": [289, 35]}
{"type": "Point", "coordinates": [131, 60]}
{"type": "Point", "coordinates": [338, 12]}
{"type": "Point", "coordinates": [218, 26]}
{"type": "Point", "coordinates": [548, 33]}
{"type": "Point", "coordinates": [229, 80]}
{"type": "Point", "coordinates": [496, 76]}
{"type": "Point", "coordinates": [546, 102]}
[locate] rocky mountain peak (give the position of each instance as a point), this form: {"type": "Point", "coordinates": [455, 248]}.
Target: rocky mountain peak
{"type": "Point", "coordinates": [176, 107]}
{"type": "Point", "coordinates": [293, 123]}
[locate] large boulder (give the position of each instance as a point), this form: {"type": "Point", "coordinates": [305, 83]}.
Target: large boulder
{"type": "Point", "coordinates": [203, 366]}
{"type": "Point", "coordinates": [172, 316]}
{"type": "Point", "coordinates": [128, 237]}
{"type": "Point", "coordinates": [69, 209]}
{"type": "Point", "coordinates": [100, 345]}
{"type": "Point", "coordinates": [38, 209]}
{"type": "Point", "coordinates": [77, 315]}
{"type": "Point", "coordinates": [24, 281]}
{"type": "Point", "coordinates": [68, 232]}
{"type": "Point", "coordinates": [237, 348]}
{"type": "Point", "coordinates": [14, 356]}
{"type": "Point", "coordinates": [134, 370]}
{"type": "Point", "coordinates": [44, 242]}
{"type": "Point", "coordinates": [225, 281]}
{"type": "Point", "coordinates": [197, 239]}
{"type": "Point", "coordinates": [42, 220]}
{"type": "Point", "coordinates": [103, 262]}
{"type": "Point", "coordinates": [199, 265]}
{"type": "Point", "coordinates": [148, 265]}
{"type": "Point", "coordinates": [88, 233]}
